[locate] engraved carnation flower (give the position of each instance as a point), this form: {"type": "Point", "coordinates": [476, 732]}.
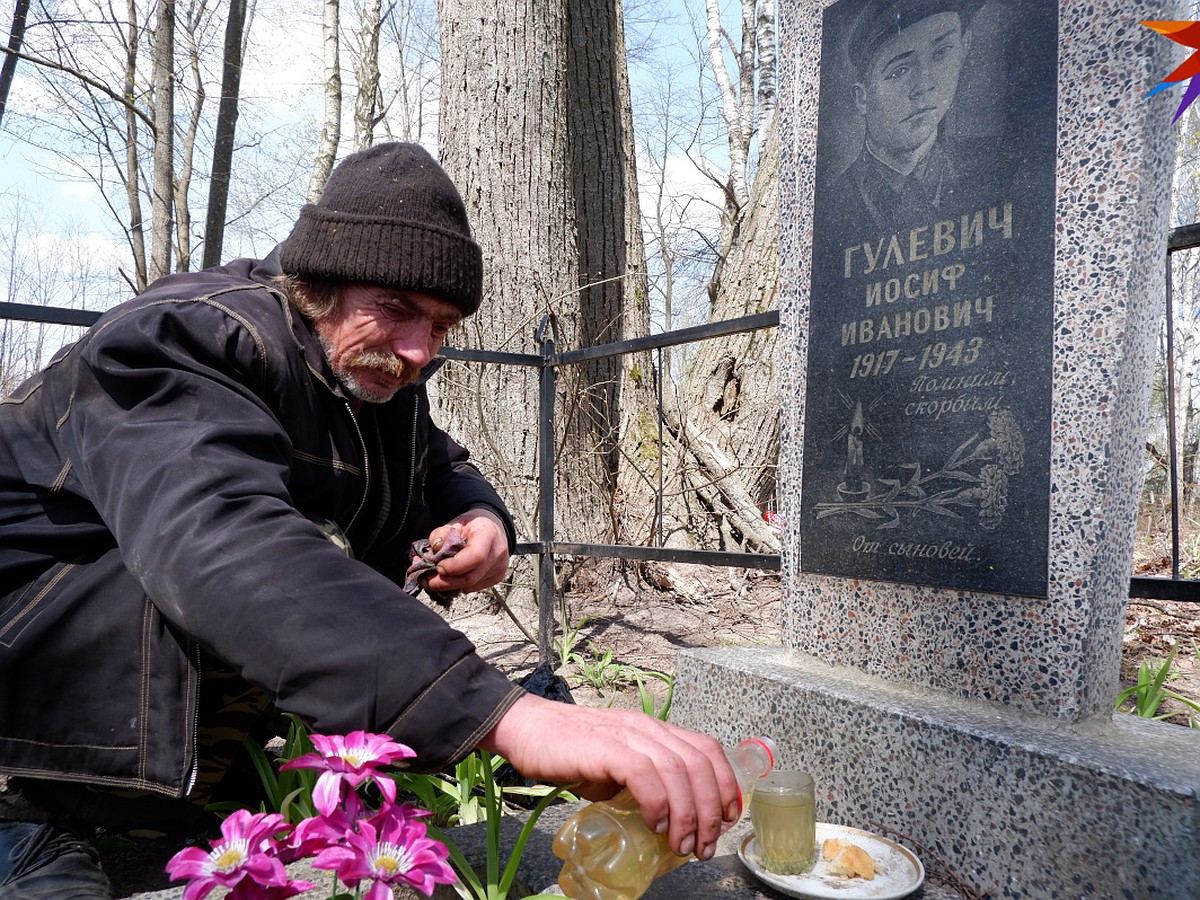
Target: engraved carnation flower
{"type": "Point", "coordinates": [993, 496]}
{"type": "Point", "coordinates": [1008, 440]}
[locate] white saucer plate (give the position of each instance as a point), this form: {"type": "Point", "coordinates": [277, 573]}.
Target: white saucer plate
{"type": "Point", "coordinates": [898, 871]}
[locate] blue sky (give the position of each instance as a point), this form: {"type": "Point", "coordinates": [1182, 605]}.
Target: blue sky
{"type": "Point", "coordinates": [281, 76]}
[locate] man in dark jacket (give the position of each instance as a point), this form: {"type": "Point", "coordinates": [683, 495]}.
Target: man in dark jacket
{"type": "Point", "coordinates": [169, 488]}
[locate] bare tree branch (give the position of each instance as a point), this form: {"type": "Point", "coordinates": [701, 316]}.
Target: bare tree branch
{"type": "Point", "coordinates": [86, 79]}
{"type": "Point", "coordinates": [16, 35]}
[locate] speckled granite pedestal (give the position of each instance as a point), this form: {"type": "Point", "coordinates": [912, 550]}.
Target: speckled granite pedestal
{"type": "Point", "coordinates": [1008, 801]}
{"type": "Point", "coordinates": [979, 724]}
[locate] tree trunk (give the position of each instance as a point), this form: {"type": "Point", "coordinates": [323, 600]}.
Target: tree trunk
{"type": "Point", "coordinates": [137, 228]}
{"type": "Point", "coordinates": [732, 396]}
{"type": "Point", "coordinates": [503, 104]}
{"type": "Point", "coordinates": [544, 163]}
{"type": "Point", "coordinates": [16, 35]}
{"type": "Point", "coordinates": [366, 69]}
{"type": "Point", "coordinates": [611, 395]}
{"type": "Point", "coordinates": [227, 116]}
{"type": "Point", "coordinates": [162, 188]}
{"type": "Point", "coordinates": [331, 127]}
{"type": "Point", "coordinates": [713, 474]}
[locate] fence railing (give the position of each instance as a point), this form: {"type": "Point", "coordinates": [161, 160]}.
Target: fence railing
{"type": "Point", "coordinates": [1186, 237]}
{"type": "Point", "coordinates": [546, 548]}
{"type": "Point", "coordinates": [51, 315]}
{"type": "Point", "coordinates": [549, 358]}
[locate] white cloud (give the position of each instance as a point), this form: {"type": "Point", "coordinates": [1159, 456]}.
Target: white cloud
{"type": "Point", "coordinates": [691, 201]}
{"type": "Point", "coordinates": [284, 65]}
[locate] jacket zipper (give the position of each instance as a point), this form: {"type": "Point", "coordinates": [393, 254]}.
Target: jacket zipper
{"type": "Point", "coordinates": [408, 497]}
{"type": "Point", "coordinates": [412, 466]}
{"type": "Point", "coordinates": [362, 443]}
{"type": "Point", "coordinates": [195, 772]}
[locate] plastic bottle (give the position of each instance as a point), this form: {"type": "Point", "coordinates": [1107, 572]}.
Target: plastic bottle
{"type": "Point", "coordinates": [608, 851]}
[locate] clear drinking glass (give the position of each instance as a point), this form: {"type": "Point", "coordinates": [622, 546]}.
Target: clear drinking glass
{"type": "Point", "coordinates": [783, 809]}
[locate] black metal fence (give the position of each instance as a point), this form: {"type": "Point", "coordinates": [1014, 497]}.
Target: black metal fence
{"type": "Point", "coordinates": [1186, 237]}
{"type": "Point", "coordinates": [549, 358]}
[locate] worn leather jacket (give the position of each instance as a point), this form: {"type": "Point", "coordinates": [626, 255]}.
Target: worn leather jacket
{"type": "Point", "coordinates": [162, 483]}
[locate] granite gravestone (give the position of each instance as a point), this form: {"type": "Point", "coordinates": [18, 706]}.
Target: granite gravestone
{"type": "Point", "coordinates": [927, 430]}
{"type": "Point", "coordinates": [977, 726]}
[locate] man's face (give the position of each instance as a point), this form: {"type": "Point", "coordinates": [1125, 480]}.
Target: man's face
{"type": "Point", "coordinates": [377, 340]}
{"type": "Point", "coordinates": [911, 83]}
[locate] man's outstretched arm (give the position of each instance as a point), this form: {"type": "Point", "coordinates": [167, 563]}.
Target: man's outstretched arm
{"type": "Point", "coordinates": [681, 779]}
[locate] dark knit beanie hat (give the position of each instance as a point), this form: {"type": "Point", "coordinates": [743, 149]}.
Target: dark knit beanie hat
{"type": "Point", "coordinates": [389, 215]}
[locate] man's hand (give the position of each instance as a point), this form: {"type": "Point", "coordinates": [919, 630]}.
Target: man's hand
{"type": "Point", "coordinates": [481, 563]}
{"type": "Point", "coordinates": [681, 779]}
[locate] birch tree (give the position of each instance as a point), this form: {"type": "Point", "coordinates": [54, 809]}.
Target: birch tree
{"type": "Point", "coordinates": [366, 70]}
{"type": "Point", "coordinates": [737, 94]}
{"type": "Point", "coordinates": [331, 124]}
{"type": "Point", "coordinates": [162, 63]}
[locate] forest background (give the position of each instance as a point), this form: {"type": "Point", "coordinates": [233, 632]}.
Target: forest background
{"type": "Point", "coordinates": [619, 166]}
{"type": "Point", "coordinates": [158, 137]}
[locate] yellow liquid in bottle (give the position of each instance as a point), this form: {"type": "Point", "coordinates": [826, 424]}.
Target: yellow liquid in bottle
{"type": "Point", "coordinates": [609, 853]}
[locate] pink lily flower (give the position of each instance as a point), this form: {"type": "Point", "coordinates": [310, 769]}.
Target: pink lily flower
{"type": "Point", "coordinates": [351, 760]}
{"type": "Point", "coordinates": [389, 848]}
{"type": "Point", "coordinates": [242, 859]}
{"type": "Point", "coordinates": [318, 832]}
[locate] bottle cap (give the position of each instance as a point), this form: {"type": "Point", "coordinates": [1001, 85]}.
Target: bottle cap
{"type": "Point", "coordinates": [767, 744]}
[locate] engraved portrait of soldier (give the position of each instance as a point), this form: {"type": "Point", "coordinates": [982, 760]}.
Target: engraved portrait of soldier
{"type": "Point", "coordinates": [907, 58]}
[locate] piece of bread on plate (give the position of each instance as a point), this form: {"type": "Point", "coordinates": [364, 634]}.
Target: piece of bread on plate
{"type": "Point", "coordinates": [842, 858]}
{"type": "Point", "coordinates": [832, 847]}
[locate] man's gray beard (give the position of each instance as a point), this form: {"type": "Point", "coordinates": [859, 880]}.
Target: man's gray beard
{"type": "Point", "coordinates": [371, 360]}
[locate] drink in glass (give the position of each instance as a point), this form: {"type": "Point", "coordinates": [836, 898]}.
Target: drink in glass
{"type": "Point", "coordinates": [784, 812]}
